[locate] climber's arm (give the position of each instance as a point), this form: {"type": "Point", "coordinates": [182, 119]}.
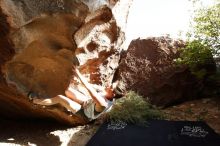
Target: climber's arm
{"type": "Point", "coordinates": [96, 96]}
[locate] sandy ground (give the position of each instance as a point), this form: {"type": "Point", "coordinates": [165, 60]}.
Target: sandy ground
{"type": "Point", "coordinates": [50, 133]}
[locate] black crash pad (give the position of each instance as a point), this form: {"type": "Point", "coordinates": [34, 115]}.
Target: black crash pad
{"type": "Point", "coordinates": [155, 133]}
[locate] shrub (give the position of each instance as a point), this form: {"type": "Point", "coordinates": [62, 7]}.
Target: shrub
{"type": "Point", "coordinates": [133, 109]}
{"type": "Point", "coordinates": [206, 26]}
{"type": "Point", "coordinates": [195, 55]}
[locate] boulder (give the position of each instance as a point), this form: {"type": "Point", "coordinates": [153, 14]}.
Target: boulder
{"type": "Point", "coordinates": [148, 68]}
{"type": "Point", "coordinates": [104, 13]}
{"type": "Point", "coordinates": [47, 30]}
{"type": "Point", "coordinates": [20, 12]}
{"type": "Point", "coordinates": [97, 52]}
{"type": "Point", "coordinates": [44, 50]}
{"type": "Point", "coordinates": [38, 49]}
{"type": "Point", "coordinates": [37, 53]}
{"type": "Point", "coordinates": [94, 5]}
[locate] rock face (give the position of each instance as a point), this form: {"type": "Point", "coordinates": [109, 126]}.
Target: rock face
{"type": "Point", "coordinates": [20, 12]}
{"type": "Point", "coordinates": [94, 5]}
{"type": "Point", "coordinates": [37, 51]}
{"type": "Point", "coordinates": [44, 53]}
{"type": "Point", "coordinates": [147, 68]}
{"type": "Point", "coordinates": [41, 40]}
{"type": "Point", "coordinates": [96, 40]}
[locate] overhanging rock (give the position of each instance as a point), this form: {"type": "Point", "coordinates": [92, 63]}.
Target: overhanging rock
{"type": "Point", "coordinates": [38, 50]}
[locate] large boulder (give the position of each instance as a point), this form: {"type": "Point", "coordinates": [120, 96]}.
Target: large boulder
{"type": "Point", "coordinates": [38, 49]}
{"type": "Point", "coordinates": [94, 5]}
{"type": "Point", "coordinates": [148, 68]}
{"type": "Point", "coordinates": [37, 52]}
{"type": "Point", "coordinates": [97, 52]}
{"type": "Point", "coordinates": [20, 12]}
{"type": "Point", "coordinates": [44, 54]}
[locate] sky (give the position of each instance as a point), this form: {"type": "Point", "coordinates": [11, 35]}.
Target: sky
{"type": "Point", "coordinates": [160, 17]}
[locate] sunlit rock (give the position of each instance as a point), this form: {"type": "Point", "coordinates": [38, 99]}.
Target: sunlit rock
{"type": "Point", "coordinates": [20, 12]}
{"type": "Point", "coordinates": [97, 53]}
{"type": "Point", "coordinates": [148, 68]}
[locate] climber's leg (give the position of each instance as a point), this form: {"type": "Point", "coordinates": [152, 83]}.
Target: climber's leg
{"type": "Point", "coordinates": [60, 99]}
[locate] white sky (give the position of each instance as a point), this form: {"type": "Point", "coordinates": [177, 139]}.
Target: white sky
{"type": "Point", "coordinates": [159, 17]}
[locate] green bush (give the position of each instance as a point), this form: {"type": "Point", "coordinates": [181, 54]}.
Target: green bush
{"type": "Point", "coordinates": [133, 109]}
{"type": "Point", "coordinates": [206, 26]}
{"type": "Point", "coordinates": [195, 55]}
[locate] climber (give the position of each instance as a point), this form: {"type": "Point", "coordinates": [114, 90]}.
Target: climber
{"type": "Point", "coordinates": [93, 106]}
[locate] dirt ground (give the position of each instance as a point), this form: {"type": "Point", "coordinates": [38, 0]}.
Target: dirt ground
{"type": "Point", "coordinates": [207, 109]}
{"type": "Point", "coordinates": [46, 133]}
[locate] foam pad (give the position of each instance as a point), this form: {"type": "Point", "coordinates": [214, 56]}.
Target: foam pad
{"type": "Point", "coordinates": [155, 133]}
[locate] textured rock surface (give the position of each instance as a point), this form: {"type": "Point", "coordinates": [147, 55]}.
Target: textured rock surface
{"type": "Point", "coordinates": [40, 40]}
{"type": "Point", "coordinates": [147, 68]}
{"type": "Point", "coordinates": [121, 12]}
{"type": "Point", "coordinates": [20, 12]}
{"type": "Point", "coordinates": [44, 52]}
{"type": "Point", "coordinates": [6, 47]}
{"type": "Point", "coordinates": [97, 52]}
{"type": "Point", "coordinates": [37, 49]}
{"type": "Point", "coordinates": [37, 54]}
{"type": "Point", "coordinates": [96, 4]}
